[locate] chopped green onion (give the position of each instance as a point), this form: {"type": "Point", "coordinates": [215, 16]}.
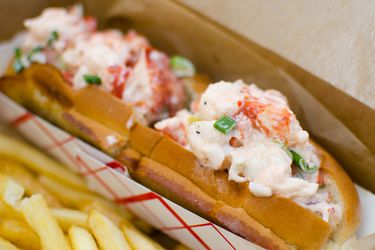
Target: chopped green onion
{"type": "Point", "coordinates": [18, 65]}
{"type": "Point", "coordinates": [225, 124]}
{"type": "Point", "coordinates": [54, 36]}
{"type": "Point", "coordinates": [92, 79]}
{"type": "Point", "coordinates": [34, 51]}
{"type": "Point", "coordinates": [17, 53]}
{"type": "Point", "coordinates": [182, 67]}
{"type": "Point", "coordinates": [301, 163]}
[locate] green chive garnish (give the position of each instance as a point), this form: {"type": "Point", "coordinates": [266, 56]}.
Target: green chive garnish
{"type": "Point", "coordinates": [92, 79]}
{"type": "Point", "coordinates": [225, 124]}
{"type": "Point", "coordinates": [54, 36]}
{"type": "Point", "coordinates": [34, 51]}
{"type": "Point", "coordinates": [287, 151]}
{"type": "Point", "coordinates": [18, 65]}
{"type": "Point", "coordinates": [17, 53]}
{"type": "Point", "coordinates": [182, 67]}
{"type": "Point", "coordinates": [301, 163]}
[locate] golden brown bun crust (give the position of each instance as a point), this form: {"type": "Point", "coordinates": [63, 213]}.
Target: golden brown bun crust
{"type": "Point", "coordinates": [174, 156]}
{"type": "Point", "coordinates": [31, 90]}
{"type": "Point", "coordinates": [105, 108]}
{"type": "Point", "coordinates": [143, 139]}
{"type": "Point", "coordinates": [43, 75]}
{"type": "Point", "coordinates": [293, 223]}
{"type": "Point", "coordinates": [239, 222]}
{"type": "Point", "coordinates": [176, 185]}
{"type": "Point", "coordinates": [181, 190]}
{"type": "Point", "coordinates": [93, 132]}
{"type": "Point", "coordinates": [130, 158]}
{"type": "Point", "coordinates": [281, 215]}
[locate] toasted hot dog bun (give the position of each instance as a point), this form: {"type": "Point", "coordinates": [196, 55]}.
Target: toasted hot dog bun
{"type": "Point", "coordinates": [285, 218]}
{"type": "Point", "coordinates": [42, 90]}
{"type": "Point", "coordinates": [169, 169]}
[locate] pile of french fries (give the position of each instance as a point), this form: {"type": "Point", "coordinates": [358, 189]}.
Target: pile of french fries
{"type": "Point", "coordinates": [43, 205]}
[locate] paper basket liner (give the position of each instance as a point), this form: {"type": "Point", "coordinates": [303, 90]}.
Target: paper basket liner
{"type": "Point", "coordinates": [111, 179]}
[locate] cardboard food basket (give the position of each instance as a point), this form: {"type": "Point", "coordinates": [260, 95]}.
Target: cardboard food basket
{"type": "Point", "coordinates": [220, 44]}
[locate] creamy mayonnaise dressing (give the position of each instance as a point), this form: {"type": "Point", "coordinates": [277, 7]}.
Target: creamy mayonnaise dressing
{"type": "Point", "coordinates": [138, 90]}
{"type": "Point", "coordinates": [176, 126]}
{"type": "Point", "coordinates": [265, 127]}
{"type": "Point", "coordinates": [68, 23]}
{"type": "Point", "coordinates": [255, 151]}
{"type": "Point", "coordinates": [93, 55]}
{"type": "Point", "coordinates": [127, 65]}
{"type": "Point", "coordinates": [322, 203]}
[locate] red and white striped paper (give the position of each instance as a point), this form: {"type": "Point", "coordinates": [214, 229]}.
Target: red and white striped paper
{"type": "Point", "coordinates": [110, 178]}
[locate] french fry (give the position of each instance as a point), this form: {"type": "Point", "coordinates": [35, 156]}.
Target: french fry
{"type": "Point", "coordinates": [6, 245]}
{"type": "Point", "coordinates": [81, 239]}
{"type": "Point", "coordinates": [32, 186]}
{"type": "Point", "coordinates": [28, 171]}
{"type": "Point", "coordinates": [67, 195]}
{"type": "Point", "coordinates": [19, 233]}
{"type": "Point", "coordinates": [68, 217]}
{"type": "Point", "coordinates": [38, 162]}
{"type": "Point", "coordinates": [65, 217]}
{"type": "Point", "coordinates": [137, 239]}
{"type": "Point", "coordinates": [7, 211]}
{"type": "Point", "coordinates": [39, 217]}
{"type": "Point", "coordinates": [11, 192]}
{"type": "Point", "coordinates": [116, 215]}
{"type": "Point", "coordinates": [108, 236]}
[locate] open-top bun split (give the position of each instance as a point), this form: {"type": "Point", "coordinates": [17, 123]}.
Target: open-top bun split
{"type": "Point", "coordinates": [259, 129]}
{"type": "Point", "coordinates": [238, 157]}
